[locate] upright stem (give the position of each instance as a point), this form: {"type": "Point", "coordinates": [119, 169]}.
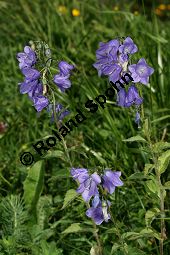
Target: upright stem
{"type": "Point", "coordinates": [100, 250]}
{"type": "Point", "coordinates": [162, 209]}
{"type": "Point", "coordinates": [118, 232]}
{"type": "Point", "coordinates": [163, 230]}
{"type": "Point", "coordinates": [158, 176]}
{"type": "Point", "coordinates": [69, 160]}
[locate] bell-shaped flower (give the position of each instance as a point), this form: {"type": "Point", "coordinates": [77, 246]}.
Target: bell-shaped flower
{"type": "Point", "coordinates": [40, 102]}
{"type": "Point", "coordinates": [65, 68]}
{"type": "Point", "coordinates": [99, 210]}
{"type": "Point", "coordinates": [110, 180]}
{"type": "Point", "coordinates": [26, 58]}
{"type": "Point", "coordinates": [80, 174]}
{"type": "Point", "coordinates": [140, 72]}
{"type": "Point", "coordinates": [88, 187]}
{"type": "Point", "coordinates": [128, 47]}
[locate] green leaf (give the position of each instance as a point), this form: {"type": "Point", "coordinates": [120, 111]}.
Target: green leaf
{"type": "Point", "coordinates": [115, 247]}
{"type": "Point", "coordinates": [153, 186]}
{"type": "Point", "coordinates": [33, 185]}
{"type": "Point", "coordinates": [130, 234]}
{"type": "Point", "coordinates": [73, 228]}
{"type": "Point", "coordinates": [54, 154]}
{"type": "Point", "coordinates": [160, 146]}
{"type": "Point", "coordinates": [163, 161]}
{"type": "Point", "coordinates": [137, 176]}
{"type": "Point", "coordinates": [167, 185]}
{"type": "Point", "coordinates": [135, 251]}
{"type": "Point", "coordinates": [137, 138]}
{"type": "Point", "coordinates": [70, 196]}
{"type": "Point", "coordinates": [150, 216]}
{"type": "Point", "coordinates": [161, 118]}
{"type": "Point", "coordinates": [147, 168]}
{"type": "Point", "coordinates": [98, 155]}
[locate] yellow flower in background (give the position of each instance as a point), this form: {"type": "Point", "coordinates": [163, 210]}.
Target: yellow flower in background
{"type": "Point", "coordinates": [61, 9]}
{"type": "Point", "coordinates": [168, 7]}
{"type": "Point", "coordinates": [75, 12]}
{"type": "Point", "coordinates": [162, 7]}
{"type": "Point", "coordinates": [136, 13]}
{"type": "Point", "coordinates": [116, 8]}
{"type": "Point", "coordinates": [158, 12]}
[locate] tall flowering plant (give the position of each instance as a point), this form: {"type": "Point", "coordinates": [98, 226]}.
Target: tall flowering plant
{"type": "Point", "coordinates": [114, 60]}
{"type": "Point", "coordinates": [35, 65]}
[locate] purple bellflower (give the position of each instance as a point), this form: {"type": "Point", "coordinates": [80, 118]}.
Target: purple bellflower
{"type": "Point", "coordinates": [128, 47]}
{"type": "Point", "coordinates": [108, 49]}
{"type": "Point", "coordinates": [88, 187]}
{"type": "Point", "coordinates": [79, 174]}
{"type": "Point", "coordinates": [62, 79]}
{"type": "Point", "coordinates": [112, 58]}
{"type": "Point", "coordinates": [26, 58]}
{"type": "Point", "coordinates": [62, 82]}
{"type": "Point", "coordinates": [127, 99]}
{"type": "Point", "coordinates": [40, 102]}
{"type": "Point", "coordinates": [30, 74]}
{"type": "Point", "coordinates": [110, 180]}
{"type": "Point", "coordinates": [106, 58]}
{"type": "Point", "coordinates": [133, 97]}
{"type": "Point", "coordinates": [140, 72]}
{"type": "Point", "coordinates": [60, 112]}
{"type": "Point", "coordinates": [65, 68]}
{"type": "Point", "coordinates": [99, 210]}
{"type": "Point", "coordinates": [35, 91]}
{"type": "Point", "coordinates": [27, 86]}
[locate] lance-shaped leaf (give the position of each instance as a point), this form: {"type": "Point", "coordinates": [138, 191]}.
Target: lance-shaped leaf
{"type": "Point", "coordinates": [33, 185]}
{"type": "Point", "coordinates": [70, 196]}
{"type": "Point", "coordinates": [163, 161]}
{"type": "Point", "coordinates": [136, 138]}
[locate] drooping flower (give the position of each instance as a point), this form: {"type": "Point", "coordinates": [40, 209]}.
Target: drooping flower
{"type": "Point", "coordinates": [62, 79]}
{"type": "Point", "coordinates": [99, 211]}
{"type": "Point", "coordinates": [40, 102]}
{"type": "Point", "coordinates": [128, 47]}
{"type": "Point", "coordinates": [26, 86]}
{"type": "Point", "coordinates": [106, 57]}
{"type": "Point", "coordinates": [127, 99]}
{"type": "Point", "coordinates": [115, 75]}
{"type": "Point", "coordinates": [88, 187]}
{"type": "Point", "coordinates": [62, 82]}
{"type": "Point", "coordinates": [108, 49]}
{"type": "Point", "coordinates": [133, 97]}
{"type": "Point", "coordinates": [79, 174]}
{"type": "Point", "coordinates": [31, 74]}
{"type": "Point", "coordinates": [140, 72]}
{"type": "Point", "coordinates": [26, 58]}
{"type": "Point", "coordinates": [110, 180]}
{"type": "Point", "coordinates": [65, 68]}
{"type": "Point", "coordinates": [35, 91]}
{"type": "Point", "coordinates": [60, 112]}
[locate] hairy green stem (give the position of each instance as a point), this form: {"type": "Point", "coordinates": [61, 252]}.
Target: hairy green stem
{"type": "Point", "coordinates": [161, 202]}
{"type": "Point", "coordinates": [69, 161]}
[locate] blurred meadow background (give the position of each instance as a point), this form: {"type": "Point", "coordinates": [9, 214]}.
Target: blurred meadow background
{"type": "Point", "coordinates": [38, 212]}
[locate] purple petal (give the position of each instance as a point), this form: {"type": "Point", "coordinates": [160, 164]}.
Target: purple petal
{"type": "Point", "coordinates": [40, 103]}
{"type": "Point", "coordinates": [65, 68]}
{"type": "Point", "coordinates": [96, 178]}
